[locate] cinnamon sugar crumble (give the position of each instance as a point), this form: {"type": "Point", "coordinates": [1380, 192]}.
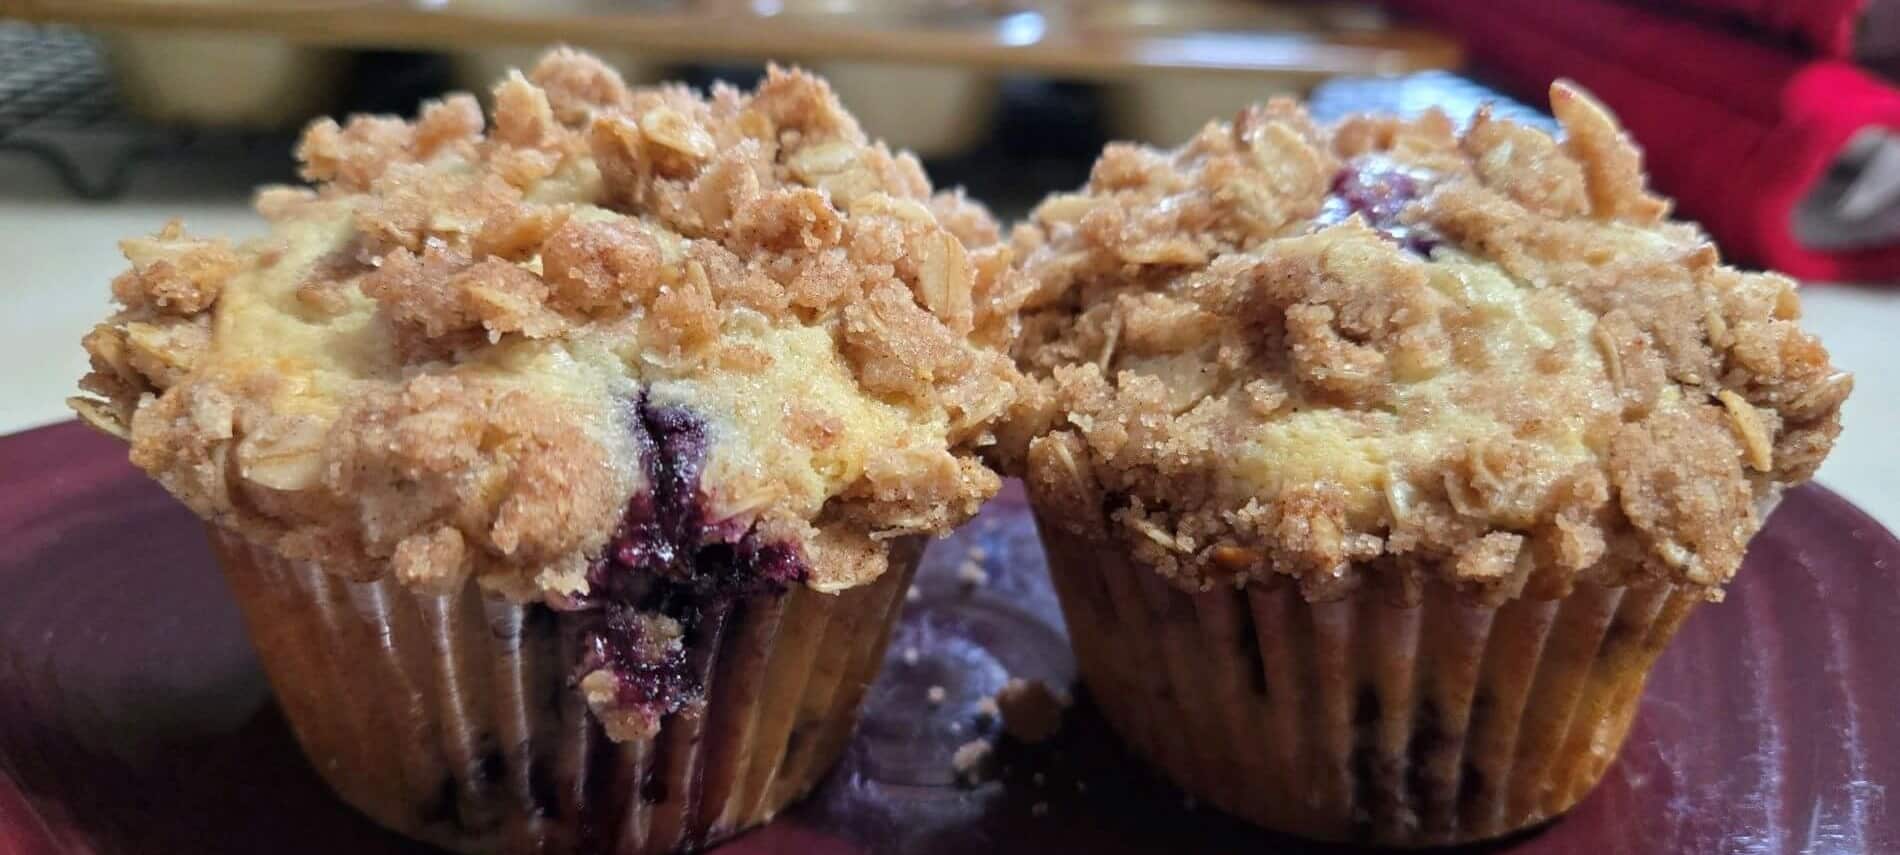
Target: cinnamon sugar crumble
{"type": "Point", "coordinates": [172, 273]}
{"type": "Point", "coordinates": [1387, 351]}
{"type": "Point", "coordinates": [427, 368]}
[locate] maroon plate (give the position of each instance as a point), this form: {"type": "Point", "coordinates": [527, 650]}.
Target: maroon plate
{"type": "Point", "coordinates": [133, 717]}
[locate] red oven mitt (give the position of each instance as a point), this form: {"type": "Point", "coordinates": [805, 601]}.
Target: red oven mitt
{"type": "Point", "coordinates": [1737, 130]}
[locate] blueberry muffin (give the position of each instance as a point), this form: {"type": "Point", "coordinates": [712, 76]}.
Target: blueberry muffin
{"type": "Point", "coordinates": [1377, 462]}
{"type": "Point", "coordinates": [570, 465]}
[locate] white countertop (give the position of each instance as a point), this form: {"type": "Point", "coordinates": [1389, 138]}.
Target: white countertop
{"type": "Point", "coordinates": [57, 254]}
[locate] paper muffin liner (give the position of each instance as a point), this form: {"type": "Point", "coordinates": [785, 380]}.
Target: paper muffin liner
{"type": "Point", "coordinates": [451, 719]}
{"type": "Point", "coordinates": [1360, 720]}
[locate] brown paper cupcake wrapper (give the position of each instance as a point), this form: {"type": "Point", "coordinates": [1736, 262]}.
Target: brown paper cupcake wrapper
{"type": "Point", "coordinates": [450, 718]}
{"type": "Point", "coordinates": [1359, 720]}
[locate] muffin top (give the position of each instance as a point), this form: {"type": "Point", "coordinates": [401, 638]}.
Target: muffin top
{"type": "Point", "coordinates": [609, 327]}
{"type": "Point", "coordinates": [1391, 351]}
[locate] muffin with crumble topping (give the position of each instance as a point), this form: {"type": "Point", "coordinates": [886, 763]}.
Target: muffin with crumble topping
{"type": "Point", "coordinates": [1377, 462]}
{"type": "Point", "coordinates": [570, 466]}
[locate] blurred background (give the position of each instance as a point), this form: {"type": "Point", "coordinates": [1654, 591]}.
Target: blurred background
{"type": "Point", "coordinates": [1773, 122]}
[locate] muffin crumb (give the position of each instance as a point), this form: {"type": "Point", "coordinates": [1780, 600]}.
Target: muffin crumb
{"type": "Point", "coordinates": [910, 656]}
{"type": "Point", "coordinates": [1039, 809]}
{"type": "Point", "coordinates": [972, 574]}
{"type": "Point", "coordinates": [969, 760]}
{"type": "Point", "coordinates": [1030, 710]}
{"type": "Point", "coordinates": [935, 695]}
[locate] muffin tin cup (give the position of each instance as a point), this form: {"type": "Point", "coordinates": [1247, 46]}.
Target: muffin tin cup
{"type": "Point", "coordinates": [451, 719]}
{"type": "Point", "coordinates": [1361, 720]}
{"type": "Point", "coordinates": [202, 77]}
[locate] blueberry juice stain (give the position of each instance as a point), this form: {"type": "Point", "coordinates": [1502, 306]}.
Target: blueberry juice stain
{"type": "Point", "coordinates": [668, 560]}
{"type": "Point", "coordinates": [1377, 189]}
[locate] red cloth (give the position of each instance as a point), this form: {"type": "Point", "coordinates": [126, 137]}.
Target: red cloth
{"type": "Point", "coordinates": [1826, 27]}
{"type": "Point", "coordinates": [1738, 131]}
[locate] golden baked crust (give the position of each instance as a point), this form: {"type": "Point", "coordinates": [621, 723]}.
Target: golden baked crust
{"type": "Point", "coordinates": [437, 362]}
{"type": "Point", "coordinates": [1388, 351]}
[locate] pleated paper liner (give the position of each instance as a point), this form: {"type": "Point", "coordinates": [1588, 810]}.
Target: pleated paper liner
{"type": "Point", "coordinates": [1358, 720]}
{"type": "Point", "coordinates": [450, 718]}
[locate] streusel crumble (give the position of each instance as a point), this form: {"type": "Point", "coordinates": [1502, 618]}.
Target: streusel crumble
{"type": "Point", "coordinates": [1397, 350]}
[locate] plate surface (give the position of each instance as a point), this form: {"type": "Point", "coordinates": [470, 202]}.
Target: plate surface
{"type": "Point", "coordinates": [133, 717]}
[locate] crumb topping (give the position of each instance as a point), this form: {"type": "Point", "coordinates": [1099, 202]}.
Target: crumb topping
{"type": "Point", "coordinates": [435, 363]}
{"type": "Point", "coordinates": [1388, 351]}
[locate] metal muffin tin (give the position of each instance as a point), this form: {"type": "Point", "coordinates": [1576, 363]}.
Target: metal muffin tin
{"type": "Point", "coordinates": [918, 72]}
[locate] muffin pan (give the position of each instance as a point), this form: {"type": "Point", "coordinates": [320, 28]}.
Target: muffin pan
{"type": "Point", "coordinates": [477, 68]}
{"type": "Point", "coordinates": [1167, 109]}
{"type": "Point", "coordinates": [221, 79]}
{"type": "Point", "coordinates": [919, 73]}
{"type": "Point", "coordinates": [1064, 37]}
{"type": "Point", "coordinates": [212, 78]}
